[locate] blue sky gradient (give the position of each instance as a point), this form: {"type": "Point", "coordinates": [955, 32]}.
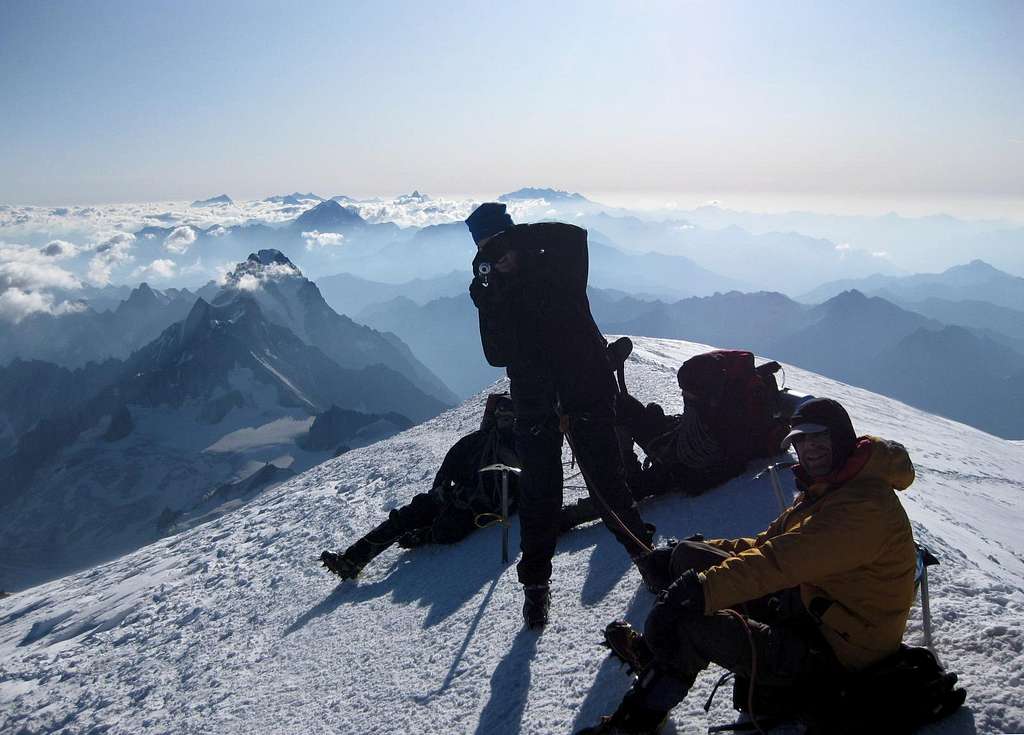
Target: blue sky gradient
{"type": "Point", "coordinates": [128, 101]}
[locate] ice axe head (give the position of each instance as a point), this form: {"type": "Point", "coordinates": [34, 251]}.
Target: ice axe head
{"type": "Point", "coordinates": [500, 468]}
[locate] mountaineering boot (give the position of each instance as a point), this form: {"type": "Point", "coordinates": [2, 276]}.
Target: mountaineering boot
{"type": "Point", "coordinates": [576, 514]}
{"type": "Point", "coordinates": [348, 564]}
{"type": "Point", "coordinates": [536, 600]}
{"type": "Point", "coordinates": [341, 565]}
{"type": "Point", "coordinates": [647, 704]}
{"type": "Point", "coordinates": [631, 718]}
{"type": "Point", "coordinates": [628, 645]}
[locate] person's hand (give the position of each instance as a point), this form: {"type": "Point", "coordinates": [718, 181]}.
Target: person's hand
{"type": "Point", "coordinates": [476, 290]}
{"type": "Point", "coordinates": [686, 594]}
{"type": "Point", "coordinates": [628, 408]}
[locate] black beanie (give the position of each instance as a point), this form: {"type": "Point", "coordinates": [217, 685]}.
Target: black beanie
{"type": "Point", "coordinates": [488, 219]}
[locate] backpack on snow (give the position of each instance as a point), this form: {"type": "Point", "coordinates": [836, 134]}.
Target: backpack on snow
{"type": "Point", "coordinates": [740, 401]}
{"type": "Point", "coordinates": [896, 696]}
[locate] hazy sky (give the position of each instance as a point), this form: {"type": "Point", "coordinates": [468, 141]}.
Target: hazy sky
{"type": "Point", "coordinates": [111, 101]}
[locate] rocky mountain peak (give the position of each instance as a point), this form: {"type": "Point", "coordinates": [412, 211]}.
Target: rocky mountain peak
{"type": "Point", "coordinates": [415, 197]}
{"type": "Point", "coordinates": [326, 216]}
{"type": "Point", "coordinates": [260, 268]}
{"type": "Point", "coordinates": [142, 296]}
{"type": "Point", "coordinates": [213, 201]}
{"type": "Point", "coordinates": [551, 195]}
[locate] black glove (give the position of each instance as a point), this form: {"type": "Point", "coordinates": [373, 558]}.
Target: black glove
{"type": "Point", "coordinates": [686, 594]}
{"type": "Point", "coordinates": [651, 423]}
{"type": "Point", "coordinates": [628, 409]}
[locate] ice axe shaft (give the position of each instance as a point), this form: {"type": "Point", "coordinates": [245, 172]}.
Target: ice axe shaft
{"type": "Point", "coordinates": [504, 469]}
{"type": "Point", "coordinates": [926, 613]}
{"type": "Point", "coordinates": [773, 473]}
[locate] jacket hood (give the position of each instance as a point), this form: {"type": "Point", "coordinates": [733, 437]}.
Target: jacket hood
{"type": "Point", "coordinates": [889, 461]}
{"type": "Point", "coordinates": [871, 459]}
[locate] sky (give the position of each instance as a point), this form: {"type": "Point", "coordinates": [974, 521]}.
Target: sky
{"type": "Point", "coordinates": [736, 101]}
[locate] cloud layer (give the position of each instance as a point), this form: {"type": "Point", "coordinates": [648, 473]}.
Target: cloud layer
{"type": "Point", "coordinates": [28, 277]}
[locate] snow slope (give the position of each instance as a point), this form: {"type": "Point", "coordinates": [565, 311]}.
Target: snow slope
{"type": "Point", "coordinates": [233, 627]}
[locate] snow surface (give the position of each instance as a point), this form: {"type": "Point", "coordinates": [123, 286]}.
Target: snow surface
{"type": "Point", "coordinates": [234, 628]}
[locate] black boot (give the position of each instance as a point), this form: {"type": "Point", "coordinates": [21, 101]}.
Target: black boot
{"type": "Point", "coordinates": [359, 554]}
{"type": "Point", "coordinates": [341, 565]}
{"type": "Point", "coordinates": [628, 645]}
{"type": "Point", "coordinates": [646, 706]}
{"type": "Point", "coordinates": [629, 719]}
{"type": "Point", "coordinates": [536, 601]}
{"type": "Point", "coordinates": [576, 514]}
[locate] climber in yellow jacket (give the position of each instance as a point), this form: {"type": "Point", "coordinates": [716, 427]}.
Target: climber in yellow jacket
{"type": "Point", "coordinates": [827, 587]}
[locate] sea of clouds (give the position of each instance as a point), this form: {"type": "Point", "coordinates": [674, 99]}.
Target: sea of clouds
{"type": "Point", "coordinates": [47, 254]}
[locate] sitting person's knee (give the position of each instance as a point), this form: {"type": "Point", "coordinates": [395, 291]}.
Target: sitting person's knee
{"type": "Point", "coordinates": [695, 555]}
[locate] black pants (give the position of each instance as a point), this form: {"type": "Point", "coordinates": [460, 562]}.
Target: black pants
{"type": "Point", "coordinates": [539, 447]}
{"type": "Point", "coordinates": [789, 648]}
{"type": "Point", "coordinates": [447, 524]}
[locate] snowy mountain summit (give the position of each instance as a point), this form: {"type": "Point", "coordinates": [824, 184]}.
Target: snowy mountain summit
{"type": "Point", "coordinates": [258, 268]}
{"type": "Point", "coordinates": [291, 300]}
{"type": "Point", "coordinates": [233, 627]}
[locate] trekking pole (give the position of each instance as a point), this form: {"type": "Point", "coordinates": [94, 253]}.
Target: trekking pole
{"type": "Point", "coordinates": [504, 469]}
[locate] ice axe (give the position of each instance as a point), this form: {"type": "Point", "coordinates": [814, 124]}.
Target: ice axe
{"type": "Point", "coordinates": [772, 471]}
{"type": "Point", "coordinates": [925, 559]}
{"type": "Point", "coordinates": [504, 469]}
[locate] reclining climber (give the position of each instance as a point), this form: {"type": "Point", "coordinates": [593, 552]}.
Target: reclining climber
{"type": "Point", "coordinates": [730, 416]}
{"type": "Point", "coordinates": [826, 588]}
{"type": "Point", "coordinates": [461, 499]}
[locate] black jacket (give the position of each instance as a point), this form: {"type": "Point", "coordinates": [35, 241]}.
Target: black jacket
{"type": "Point", "coordinates": [460, 482]}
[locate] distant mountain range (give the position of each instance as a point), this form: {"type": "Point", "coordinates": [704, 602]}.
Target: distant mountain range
{"type": "Point", "coordinates": [294, 199]}
{"type": "Point", "coordinates": [549, 195]}
{"type": "Point", "coordinates": [672, 258]}
{"type": "Point", "coordinates": [851, 337]}
{"type": "Point", "coordinates": [444, 333]}
{"type": "Point", "coordinates": [89, 335]}
{"type": "Point", "coordinates": [975, 281]}
{"type": "Point", "coordinates": [912, 244]}
{"type": "Point", "coordinates": [99, 460]}
{"type": "Point", "coordinates": [348, 294]}
{"type": "Point", "coordinates": [213, 201]}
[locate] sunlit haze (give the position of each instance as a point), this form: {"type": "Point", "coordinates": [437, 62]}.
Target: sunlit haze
{"type": "Point", "coordinates": [862, 107]}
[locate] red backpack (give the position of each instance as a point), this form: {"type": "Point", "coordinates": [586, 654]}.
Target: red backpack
{"type": "Point", "coordinates": [737, 400]}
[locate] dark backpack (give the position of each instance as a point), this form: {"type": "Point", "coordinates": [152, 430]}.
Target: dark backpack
{"type": "Point", "coordinates": [895, 696]}
{"type": "Point", "coordinates": [740, 400]}
{"type": "Point", "coordinates": [554, 264]}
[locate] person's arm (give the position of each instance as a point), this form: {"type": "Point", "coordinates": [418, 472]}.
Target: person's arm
{"type": "Point", "coordinates": [842, 535]}
{"type": "Point", "coordinates": [460, 453]}
{"type": "Point", "coordinates": [736, 546]}
{"type": "Point", "coordinates": [495, 294]}
{"type": "Point", "coordinates": [732, 545]}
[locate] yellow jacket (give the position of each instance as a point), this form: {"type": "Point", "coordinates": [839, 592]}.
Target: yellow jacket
{"type": "Point", "coordinates": [847, 541]}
